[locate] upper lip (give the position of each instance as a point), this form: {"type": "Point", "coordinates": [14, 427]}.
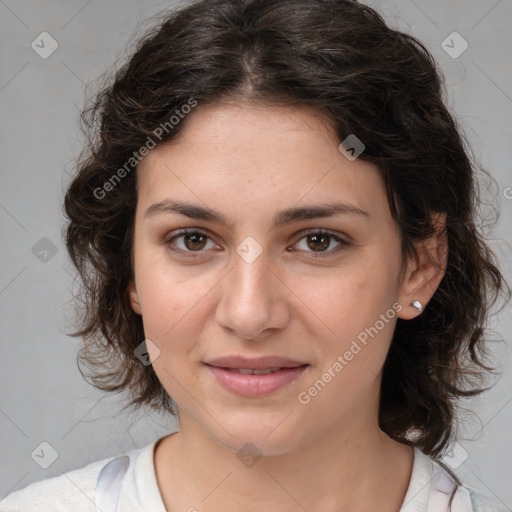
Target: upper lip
{"type": "Point", "coordinates": [259, 363]}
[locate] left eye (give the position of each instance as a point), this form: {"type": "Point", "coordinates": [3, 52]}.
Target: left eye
{"type": "Point", "coordinates": [322, 239]}
{"type": "Point", "coordinates": [196, 241]}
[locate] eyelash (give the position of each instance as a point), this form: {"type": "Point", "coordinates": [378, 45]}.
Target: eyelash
{"type": "Point", "coordinates": [191, 254]}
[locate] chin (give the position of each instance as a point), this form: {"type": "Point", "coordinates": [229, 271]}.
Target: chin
{"type": "Point", "coordinates": [254, 436]}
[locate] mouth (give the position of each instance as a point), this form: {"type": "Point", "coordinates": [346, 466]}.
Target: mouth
{"type": "Point", "coordinates": [256, 382]}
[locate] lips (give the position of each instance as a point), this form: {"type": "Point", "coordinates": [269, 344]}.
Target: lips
{"type": "Point", "coordinates": [253, 378]}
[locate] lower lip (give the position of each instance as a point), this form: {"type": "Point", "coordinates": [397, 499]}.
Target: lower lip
{"type": "Point", "coordinates": [249, 385]}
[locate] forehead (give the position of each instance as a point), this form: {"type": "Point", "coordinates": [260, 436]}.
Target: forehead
{"type": "Point", "coordinates": [253, 154]}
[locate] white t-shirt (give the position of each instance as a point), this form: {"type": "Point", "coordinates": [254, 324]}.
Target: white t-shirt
{"type": "Point", "coordinates": [74, 491]}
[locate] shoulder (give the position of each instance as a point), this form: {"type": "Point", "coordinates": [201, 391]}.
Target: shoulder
{"type": "Point", "coordinates": [72, 490]}
{"type": "Point", "coordinates": [435, 488]}
{"type": "Point", "coordinates": [465, 498]}
{"type": "Point", "coordinates": [481, 503]}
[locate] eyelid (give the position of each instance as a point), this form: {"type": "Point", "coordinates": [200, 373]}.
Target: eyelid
{"type": "Point", "coordinates": [342, 237]}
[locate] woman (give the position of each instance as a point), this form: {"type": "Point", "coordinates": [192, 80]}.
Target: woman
{"type": "Point", "coordinates": [275, 223]}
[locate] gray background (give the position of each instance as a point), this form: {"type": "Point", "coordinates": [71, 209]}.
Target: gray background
{"type": "Point", "coordinates": [43, 397]}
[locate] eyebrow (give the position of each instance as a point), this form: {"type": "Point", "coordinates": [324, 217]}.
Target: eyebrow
{"type": "Point", "coordinates": [283, 217]}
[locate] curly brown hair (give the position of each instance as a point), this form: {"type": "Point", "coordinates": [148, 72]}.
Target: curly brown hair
{"type": "Point", "coordinates": [339, 57]}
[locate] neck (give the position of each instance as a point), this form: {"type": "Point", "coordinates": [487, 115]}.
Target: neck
{"type": "Point", "coordinates": [354, 467]}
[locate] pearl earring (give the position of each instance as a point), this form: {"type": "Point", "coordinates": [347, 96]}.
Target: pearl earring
{"type": "Point", "coordinates": [416, 304]}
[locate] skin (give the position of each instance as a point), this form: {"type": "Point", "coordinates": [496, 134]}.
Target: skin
{"type": "Point", "coordinates": [248, 162]}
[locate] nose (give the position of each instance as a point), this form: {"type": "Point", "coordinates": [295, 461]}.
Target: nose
{"type": "Point", "coordinates": [253, 299]}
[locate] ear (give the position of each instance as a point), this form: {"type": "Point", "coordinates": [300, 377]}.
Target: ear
{"type": "Point", "coordinates": [134, 298]}
{"type": "Point", "coordinates": [426, 271]}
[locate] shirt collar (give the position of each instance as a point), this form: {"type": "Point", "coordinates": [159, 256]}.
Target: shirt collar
{"type": "Point", "coordinates": [416, 498]}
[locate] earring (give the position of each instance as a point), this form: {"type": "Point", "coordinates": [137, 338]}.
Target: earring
{"type": "Point", "coordinates": [416, 304]}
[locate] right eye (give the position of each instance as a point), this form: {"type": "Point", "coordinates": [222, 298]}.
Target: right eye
{"type": "Point", "coordinates": [194, 241]}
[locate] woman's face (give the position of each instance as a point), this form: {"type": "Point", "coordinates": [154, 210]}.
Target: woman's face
{"type": "Point", "coordinates": [252, 287]}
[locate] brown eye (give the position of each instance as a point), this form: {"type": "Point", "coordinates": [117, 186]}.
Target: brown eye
{"type": "Point", "coordinates": [318, 241]}
{"type": "Point", "coordinates": [188, 242]}
{"type": "Point", "coordinates": [194, 241]}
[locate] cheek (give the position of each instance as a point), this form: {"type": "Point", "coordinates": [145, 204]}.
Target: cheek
{"type": "Point", "coordinates": [354, 347]}
{"type": "Point", "coordinates": [347, 307]}
{"type": "Point", "coordinates": [347, 298]}
{"type": "Point", "coordinates": [171, 308]}
{"type": "Point", "coordinates": [173, 302]}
